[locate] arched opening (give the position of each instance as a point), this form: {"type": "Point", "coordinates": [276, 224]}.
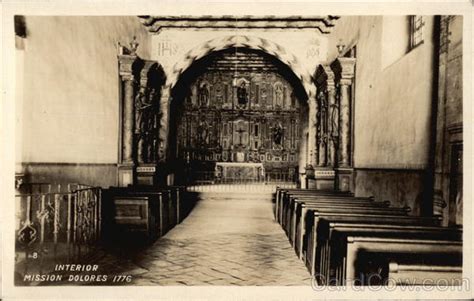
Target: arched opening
{"type": "Point", "coordinates": [237, 115]}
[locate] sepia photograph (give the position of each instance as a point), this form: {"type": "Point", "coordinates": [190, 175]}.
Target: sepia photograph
{"type": "Point", "coordinates": [263, 150]}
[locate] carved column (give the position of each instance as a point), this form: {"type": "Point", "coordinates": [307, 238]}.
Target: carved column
{"type": "Point", "coordinates": [127, 78]}
{"type": "Point", "coordinates": [322, 128]}
{"type": "Point", "coordinates": [333, 120]}
{"type": "Point", "coordinates": [344, 171]}
{"type": "Point", "coordinates": [347, 65]}
{"type": "Point", "coordinates": [165, 101]}
{"type": "Point", "coordinates": [345, 115]}
{"type": "Point", "coordinates": [313, 111]}
{"type": "Point", "coordinates": [128, 117]}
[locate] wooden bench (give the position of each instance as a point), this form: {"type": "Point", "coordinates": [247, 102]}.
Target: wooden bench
{"type": "Point", "coordinates": [286, 196]}
{"type": "Point", "coordinates": [162, 204]}
{"type": "Point", "coordinates": [308, 211]}
{"type": "Point", "coordinates": [310, 239]}
{"type": "Point", "coordinates": [288, 203]}
{"type": "Point", "coordinates": [128, 214]}
{"type": "Point", "coordinates": [282, 192]}
{"type": "Point", "coordinates": [348, 264]}
{"type": "Point", "coordinates": [331, 233]}
{"type": "Point", "coordinates": [301, 206]}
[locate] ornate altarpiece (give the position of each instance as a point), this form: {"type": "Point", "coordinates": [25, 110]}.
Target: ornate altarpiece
{"type": "Point", "coordinates": [240, 109]}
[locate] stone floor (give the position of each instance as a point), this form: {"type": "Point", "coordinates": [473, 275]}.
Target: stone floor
{"type": "Point", "coordinates": [229, 238]}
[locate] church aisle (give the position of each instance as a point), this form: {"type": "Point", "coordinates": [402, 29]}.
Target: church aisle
{"type": "Point", "coordinates": [228, 239]}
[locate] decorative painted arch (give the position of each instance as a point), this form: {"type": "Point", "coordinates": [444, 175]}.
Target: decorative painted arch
{"type": "Point", "coordinates": [250, 42]}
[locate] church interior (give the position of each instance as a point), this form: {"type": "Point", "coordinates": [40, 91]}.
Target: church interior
{"type": "Point", "coordinates": [245, 150]}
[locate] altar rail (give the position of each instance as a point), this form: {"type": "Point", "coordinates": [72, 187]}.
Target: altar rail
{"type": "Point", "coordinates": [56, 227]}
{"type": "Point", "coordinates": [210, 177]}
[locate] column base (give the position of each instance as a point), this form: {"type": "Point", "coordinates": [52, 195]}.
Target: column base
{"type": "Point", "coordinates": [303, 181]}
{"type": "Point", "coordinates": [146, 174]}
{"type": "Point", "coordinates": [125, 174]}
{"type": "Point", "coordinates": [324, 179]}
{"type": "Point", "coordinates": [345, 179]}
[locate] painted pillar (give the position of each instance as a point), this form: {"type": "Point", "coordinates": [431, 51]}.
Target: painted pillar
{"type": "Point", "coordinates": [126, 165]}
{"type": "Point", "coordinates": [345, 125]}
{"type": "Point", "coordinates": [347, 74]}
{"type": "Point", "coordinates": [313, 111]}
{"type": "Point", "coordinates": [165, 101]}
{"type": "Point", "coordinates": [128, 120]}
{"type": "Point", "coordinates": [333, 120]}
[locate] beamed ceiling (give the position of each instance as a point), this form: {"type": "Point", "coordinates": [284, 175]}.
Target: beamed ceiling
{"type": "Point", "coordinates": [323, 23]}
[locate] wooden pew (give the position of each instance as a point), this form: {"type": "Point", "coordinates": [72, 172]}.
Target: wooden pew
{"type": "Point", "coordinates": [446, 249]}
{"type": "Point", "coordinates": [416, 274]}
{"type": "Point", "coordinates": [298, 221]}
{"type": "Point", "coordinates": [282, 192]}
{"type": "Point", "coordinates": [287, 196]}
{"type": "Point", "coordinates": [312, 215]}
{"type": "Point", "coordinates": [134, 214]}
{"type": "Point", "coordinates": [300, 207]}
{"type": "Point", "coordinates": [161, 203]}
{"type": "Point", "coordinates": [127, 212]}
{"type": "Point", "coordinates": [288, 203]}
{"type": "Point", "coordinates": [330, 235]}
{"type": "Point", "coordinates": [310, 239]}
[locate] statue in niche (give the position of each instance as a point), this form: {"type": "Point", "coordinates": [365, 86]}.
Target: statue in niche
{"type": "Point", "coordinates": [293, 100]}
{"type": "Point", "coordinates": [219, 99]}
{"type": "Point", "coordinates": [278, 134]}
{"type": "Point", "coordinates": [242, 94]}
{"type": "Point", "coordinates": [203, 132]}
{"type": "Point", "coordinates": [263, 94]}
{"type": "Point", "coordinates": [203, 95]}
{"type": "Point", "coordinates": [279, 95]}
{"type": "Point", "coordinates": [322, 110]}
{"type": "Point", "coordinates": [142, 106]}
{"type": "Point", "coordinates": [145, 124]}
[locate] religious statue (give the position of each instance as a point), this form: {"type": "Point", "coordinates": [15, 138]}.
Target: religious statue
{"type": "Point", "coordinates": [322, 120]}
{"type": "Point", "coordinates": [219, 92]}
{"type": "Point", "coordinates": [263, 94]}
{"type": "Point", "coordinates": [279, 95]}
{"type": "Point", "coordinates": [242, 95]}
{"type": "Point", "coordinates": [144, 112]}
{"type": "Point", "coordinates": [145, 124]}
{"type": "Point", "coordinates": [203, 132]}
{"type": "Point", "coordinates": [278, 134]}
{"type": "Point", "coordinates": [203, 95]}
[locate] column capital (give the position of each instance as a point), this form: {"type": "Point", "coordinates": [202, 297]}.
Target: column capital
{"type": "Point", "coordinates": [347, 67]}
{"type": "Point", "coordinates": [127, 77]}
{"type": "Point", "coordinates": [126, 63]}
{"type": "Point", "coordinates": [346, 81]}
{"type": "Point", "coordinates": [324, 76]}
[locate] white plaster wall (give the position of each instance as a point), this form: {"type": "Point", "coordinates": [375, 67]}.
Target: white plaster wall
{"type": "Point", "coordinates": [170, 45]}
{"type": "Point", "coordinates": [392, 104]}
{"type": "Point", "coordinates": [70, 87]}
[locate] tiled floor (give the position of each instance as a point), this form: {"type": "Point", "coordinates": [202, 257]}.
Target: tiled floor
{"type": "Point", "coordinates": [228, 239]}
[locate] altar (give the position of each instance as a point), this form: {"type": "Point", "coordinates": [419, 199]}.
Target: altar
{"type": "Point", "coordinates": [229, 172]}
